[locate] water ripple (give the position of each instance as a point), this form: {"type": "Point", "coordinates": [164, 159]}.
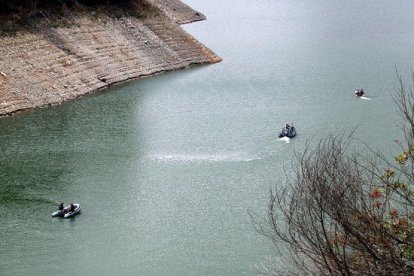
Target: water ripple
{"type": "Point", "coordinates": [205, 158]}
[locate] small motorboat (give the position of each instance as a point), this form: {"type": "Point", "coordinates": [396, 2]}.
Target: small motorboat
{"type": "Point", "coordinates": [359, 92]}
{"type": "Point", "coordinates": [66, 213]}
{"type": "Point", "coordinates": [73, 213]}
{"type": "Point", "coordinates": [288, 131]}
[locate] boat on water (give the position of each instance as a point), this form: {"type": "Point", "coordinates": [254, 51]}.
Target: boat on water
{"type": "Point", "coordinates": [66, 212]}
{"type": "Point", "coordinates": [359, 92]}
{"type": "Point", "coordinates": [288, 131]}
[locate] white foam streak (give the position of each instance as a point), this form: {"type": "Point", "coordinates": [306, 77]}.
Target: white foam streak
{"type": "Point", "coordinates": [285, 139]}
{"type": "Point", "coordinates": [203, 158]}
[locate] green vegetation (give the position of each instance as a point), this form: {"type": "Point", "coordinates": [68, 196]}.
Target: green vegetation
{"type": "Point", "coordinates": [344, 213]}
{"type": "Point", "coordinates": [16, 15]}
{"type": "Point", "coordinates": [24, 6]}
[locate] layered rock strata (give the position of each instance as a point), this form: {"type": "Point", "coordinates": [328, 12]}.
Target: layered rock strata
{"type": "Point", "coordinates": [52, 65]}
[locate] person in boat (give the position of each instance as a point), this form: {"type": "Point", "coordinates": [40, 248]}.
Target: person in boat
{"type": "Point", "coordinates": [286, 129]}
{"type": "Point", "coordinates": [72, 207]}
{"type": "Point", "coordinates": [61, 207]}
{"type": "Point", "coordinates": [290, 128]}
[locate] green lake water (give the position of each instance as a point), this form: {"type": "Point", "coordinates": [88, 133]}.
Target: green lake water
{"type": "Point", "coordinates": [166, 168]}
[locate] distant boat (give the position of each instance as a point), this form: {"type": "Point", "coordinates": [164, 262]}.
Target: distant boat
{"type": "Point", "coordinates": [359, 92]}
{"type": "Point", "coordinates": [66, 213]}
{"type": "Point", "coordinates": [288, 131]}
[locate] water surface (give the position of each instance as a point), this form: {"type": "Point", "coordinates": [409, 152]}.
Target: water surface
{"type": "Point", "coordinates": [165, 168]}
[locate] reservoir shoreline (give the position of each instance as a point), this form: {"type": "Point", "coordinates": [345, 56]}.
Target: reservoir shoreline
{"type": "Point", "coordinates": [51, 65]}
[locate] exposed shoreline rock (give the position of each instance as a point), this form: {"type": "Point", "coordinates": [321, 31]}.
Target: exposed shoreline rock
{"type": "Point", "coordinates": [53, 65]}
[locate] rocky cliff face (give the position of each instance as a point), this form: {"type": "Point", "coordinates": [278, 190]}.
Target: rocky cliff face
{"type": "Point", "coordinates": [52, 65]}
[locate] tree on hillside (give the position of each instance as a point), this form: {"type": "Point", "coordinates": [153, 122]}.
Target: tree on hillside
{"type": "Point", "coordinates": [22, 6]}
{"type": "Point", "coordinates": [345, 214]}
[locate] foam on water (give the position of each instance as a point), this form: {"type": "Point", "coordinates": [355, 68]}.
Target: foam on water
{"type": "Point", "coordinates": [205, 158]}
{"type": "Point", "coordinates": [285, 139]}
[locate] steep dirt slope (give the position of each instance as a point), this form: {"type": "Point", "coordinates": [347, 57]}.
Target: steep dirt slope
{"type": "Point", "coordinates": [52, 65]}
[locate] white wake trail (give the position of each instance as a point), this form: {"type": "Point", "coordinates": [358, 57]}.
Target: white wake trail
{"type": "Point", "coordinates": [203, 158]}
{"type": "Point", "coordinates": [285, 139]}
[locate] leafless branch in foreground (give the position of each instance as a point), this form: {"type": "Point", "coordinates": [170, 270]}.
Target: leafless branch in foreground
{"type": "Point", "coordinates": [339, 216]}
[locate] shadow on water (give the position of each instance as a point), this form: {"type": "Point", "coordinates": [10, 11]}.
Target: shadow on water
{"type": "Point", "coordinates": [42, 148]}
{"type": "Point", "coordinates": [23, 179]}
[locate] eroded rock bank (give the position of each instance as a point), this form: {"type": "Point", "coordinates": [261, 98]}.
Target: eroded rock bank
{"type": "Point", "coordinates": [53, 64]}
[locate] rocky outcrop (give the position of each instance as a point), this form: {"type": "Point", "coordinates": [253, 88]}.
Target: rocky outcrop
{"type": "Point", "coordinates": [52, 65]}
{"type": "Point", "coordinates": [178, 11]}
